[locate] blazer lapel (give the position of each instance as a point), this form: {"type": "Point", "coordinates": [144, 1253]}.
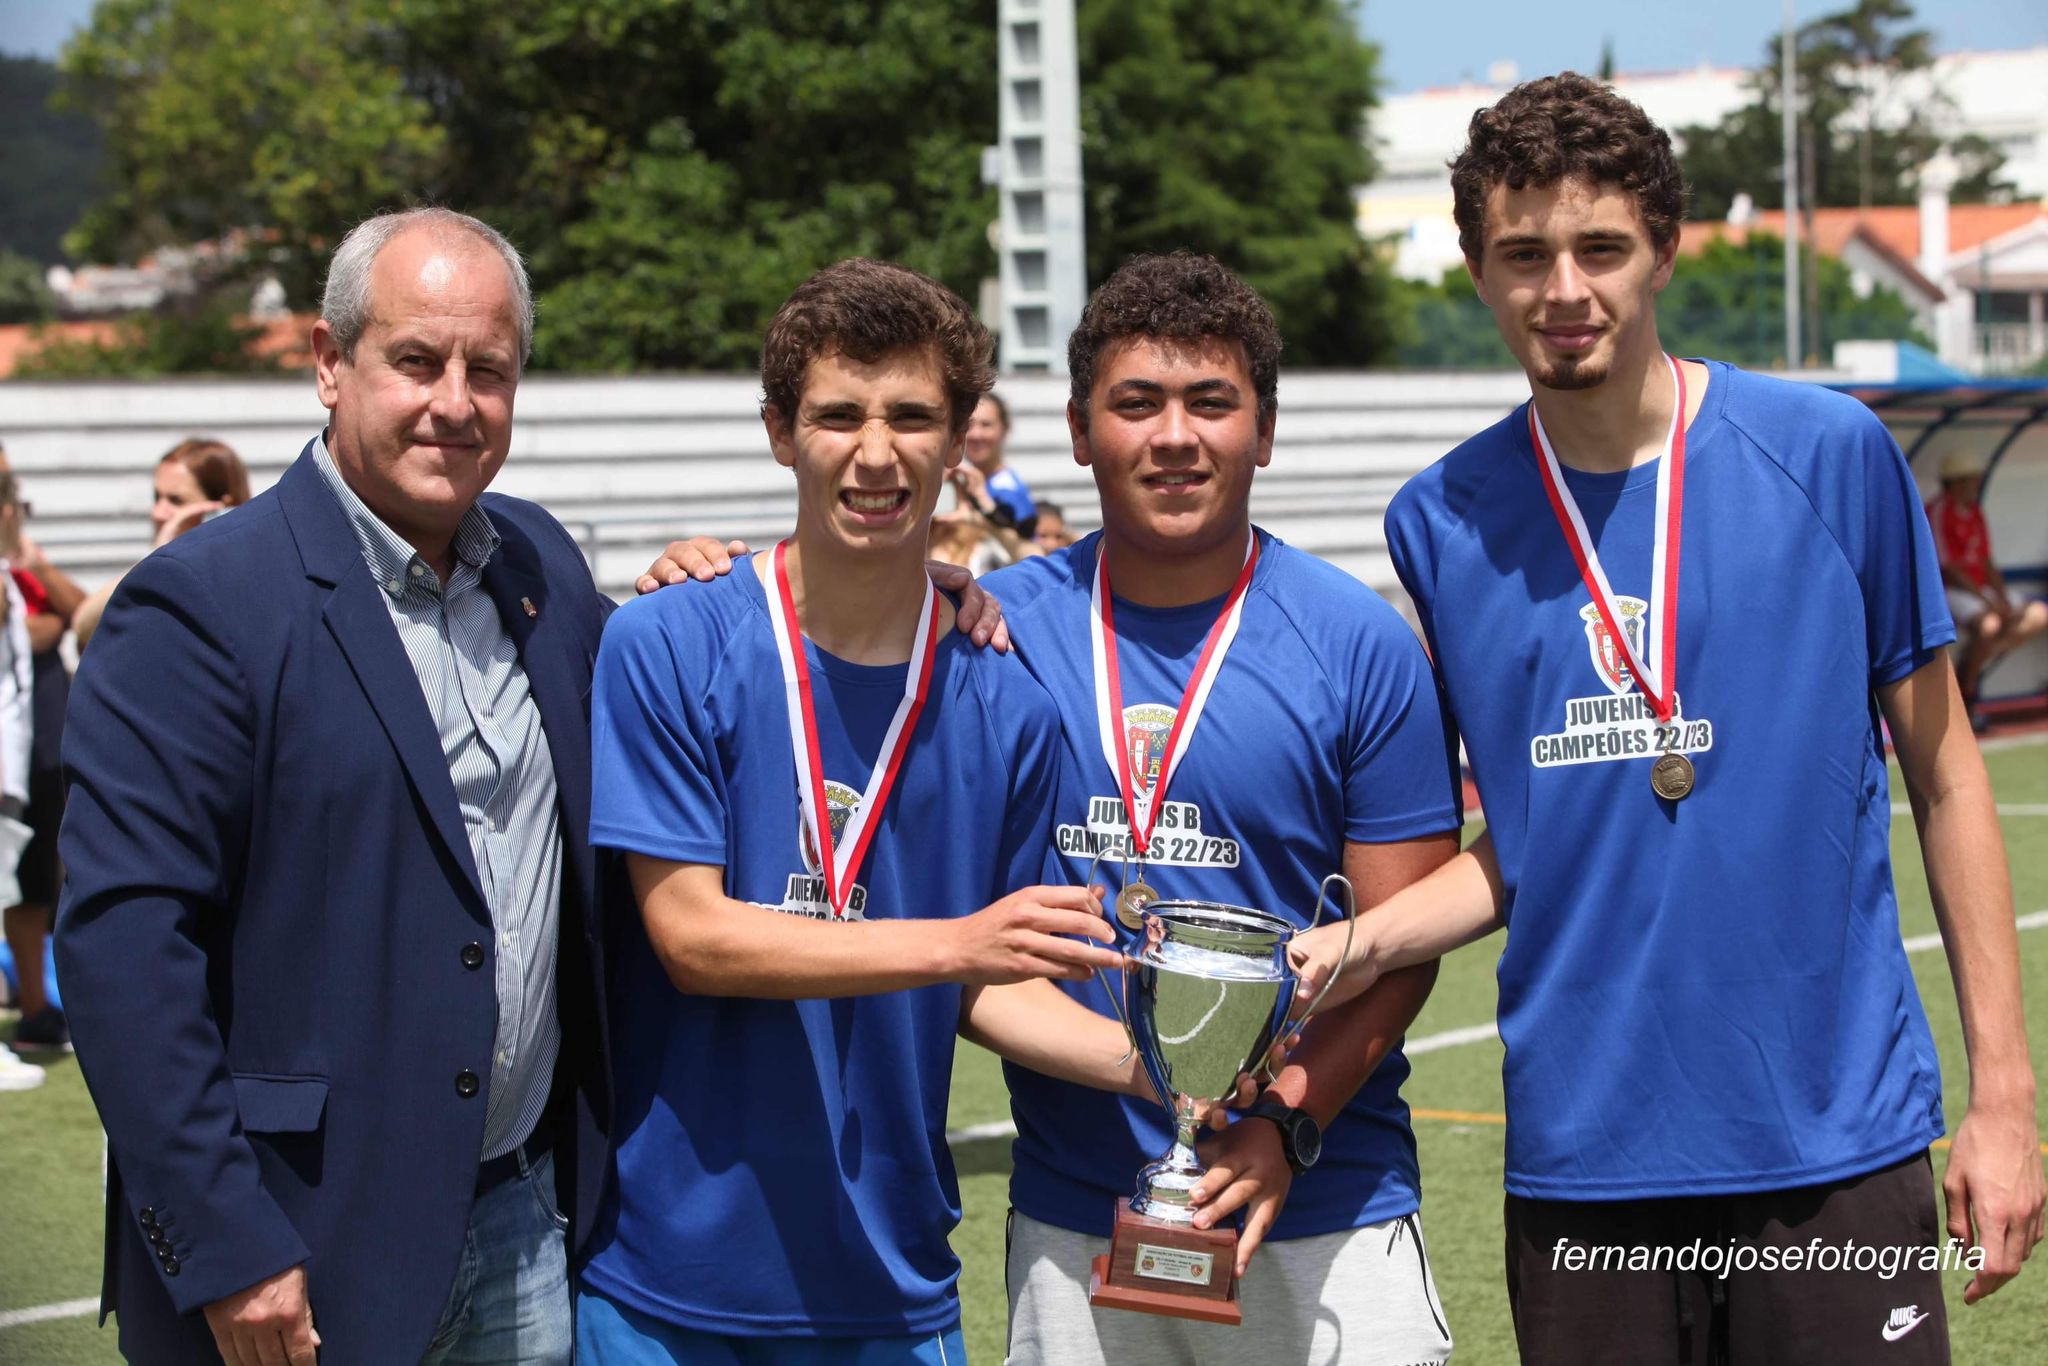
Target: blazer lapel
{"type": "Point", "coordinates": [361, 625]}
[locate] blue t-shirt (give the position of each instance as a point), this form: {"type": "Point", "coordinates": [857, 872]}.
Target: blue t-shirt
{"type": "Point", "coordinates": [1008, 489]}
{"type": "Point", "coordinates": [1710, 995]}
{"type": "Point", "coordinates": [781, 1166]}
{"type": "Point", "coordinates": [1323, 726]}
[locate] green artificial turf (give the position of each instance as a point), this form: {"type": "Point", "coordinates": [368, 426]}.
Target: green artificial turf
{"type": "Point", "coordinates": [50, 1219]}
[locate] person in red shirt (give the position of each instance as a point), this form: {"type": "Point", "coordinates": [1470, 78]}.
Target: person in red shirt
{"type": "Point", "coordinates": [1988, 619]}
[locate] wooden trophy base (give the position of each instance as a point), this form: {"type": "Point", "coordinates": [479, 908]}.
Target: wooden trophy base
{"type": "Point", "coordinates": [1154, 1267]}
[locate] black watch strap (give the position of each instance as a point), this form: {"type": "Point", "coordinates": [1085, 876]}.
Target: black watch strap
{"type": "Point", "coordinates": [1301, 1138]}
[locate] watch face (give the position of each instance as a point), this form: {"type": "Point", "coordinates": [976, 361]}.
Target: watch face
{"type": "Point", "coordinates": [1308, 1141]}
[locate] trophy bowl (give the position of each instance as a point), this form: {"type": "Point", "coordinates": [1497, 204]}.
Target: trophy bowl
{"type": "Point", "coordinates": [1209, 993]}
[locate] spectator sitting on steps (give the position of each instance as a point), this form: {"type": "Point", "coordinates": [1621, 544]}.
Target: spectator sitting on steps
{"type": "Point", "coordinates": [1989, 620]}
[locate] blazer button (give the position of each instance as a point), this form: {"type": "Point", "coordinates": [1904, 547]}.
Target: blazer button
{"type": "Point", "coordinates": [148, 1216]}
{"type": "Point", "coordinates": [466, 1084]}
{"type": "Point", "coordinates": [170, 1265]}
{"type": "Point", "coordinates": [472, 956]}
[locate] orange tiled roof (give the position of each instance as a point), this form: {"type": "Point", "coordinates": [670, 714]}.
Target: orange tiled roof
{"type": "Point", "coordinates": [1896, 227]}
{"type": "Point", "coordinates": [289, 339]}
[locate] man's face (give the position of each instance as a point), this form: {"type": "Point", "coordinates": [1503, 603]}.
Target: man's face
{"type": "Point", "coordinates": [1572, 278]}
{"type": "Point", "coordinates": [423, 410]}
{"type": "Point", "coordinates": [870, 445]}
{"type": "Point", "coordinates": [1966, 488]}
{"type": "Point", "coordinates": [1173, 435]}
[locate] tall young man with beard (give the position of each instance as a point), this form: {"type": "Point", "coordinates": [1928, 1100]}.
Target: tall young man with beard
{"type": "Point", "coordinates": [780, 757]}
{"type": "Point", "coordinates": [1670, 603]}
{"type": "Point", "coordinates": [1309, 741]}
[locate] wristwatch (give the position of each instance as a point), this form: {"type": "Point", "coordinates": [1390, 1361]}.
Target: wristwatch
{"type": "Point", "coordinates": [1301, 1138]}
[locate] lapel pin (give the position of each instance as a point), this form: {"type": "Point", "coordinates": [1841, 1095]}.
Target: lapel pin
{"type": "Point", "coordinates": [531, 610]}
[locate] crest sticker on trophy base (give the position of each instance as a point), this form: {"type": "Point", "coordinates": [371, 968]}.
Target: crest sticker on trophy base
{"type": "Point", "coordinates": [1157, 1267]}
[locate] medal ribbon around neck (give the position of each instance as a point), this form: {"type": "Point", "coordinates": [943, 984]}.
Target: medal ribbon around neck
{"type": "Point", "coordinates": [841, 865]}
{"type": "Point", "coordinates": [1141, 807]}
{"type": "Point", "coordinates": [1660, 687]}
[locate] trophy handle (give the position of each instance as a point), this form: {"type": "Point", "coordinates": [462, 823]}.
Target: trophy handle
{"type": "Point", "coordinates": [1116, 996]}
{"type": "Point", "coordinates": [1265, 1068]}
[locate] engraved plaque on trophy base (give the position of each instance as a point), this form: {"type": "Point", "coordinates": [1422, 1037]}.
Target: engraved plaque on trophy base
{"type": "Point", "coordinates": [1157, 1267]}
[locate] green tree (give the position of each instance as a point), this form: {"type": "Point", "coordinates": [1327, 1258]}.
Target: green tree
{"type": "Point", "coordinates": [672, 168]}
{"type": "Point", "coordinates": [1729, 302]}
{"type": "Point", "coordinates": [223, 114]}
{"type": "Point", "coordinates": [49, 162]}
{"type": "Point", "coordinates": [1726, 301]}
{"type": "Point", "coordinates": [789, 136]}
{"type": "Point", "coordinates": [1236, 127]}
{"type": "Point", "coordinates": [1850, 66]}
{"type": "Point", "coordinates": [24, 297]}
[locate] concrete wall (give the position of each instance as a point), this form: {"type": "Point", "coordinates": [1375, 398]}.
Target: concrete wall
{"type": "Point", "coordinates": [628, 464]}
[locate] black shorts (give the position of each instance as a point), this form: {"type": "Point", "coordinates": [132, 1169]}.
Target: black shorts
{"type": "Point", "coordinates": [40, 873]}
{"type": "Point", "coordinates": [1825, 1273]}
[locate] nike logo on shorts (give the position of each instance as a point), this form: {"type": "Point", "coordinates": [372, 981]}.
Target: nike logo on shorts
{"type": "Point", "coordinates": [1902, 1322]}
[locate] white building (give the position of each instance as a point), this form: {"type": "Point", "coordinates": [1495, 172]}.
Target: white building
{"type": "Point", "coordinates": [2002, 96]}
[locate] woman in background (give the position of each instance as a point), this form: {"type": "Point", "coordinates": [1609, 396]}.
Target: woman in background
{"type": "Point", "coordinates": [196, 477]}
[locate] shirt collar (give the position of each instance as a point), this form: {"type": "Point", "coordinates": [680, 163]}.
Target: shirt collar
{"type": "Point", "coordinates": [392, 560]}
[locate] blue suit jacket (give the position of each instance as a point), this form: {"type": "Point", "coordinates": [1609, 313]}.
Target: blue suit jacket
{"type": "Point", "coordinates": [261, 940]}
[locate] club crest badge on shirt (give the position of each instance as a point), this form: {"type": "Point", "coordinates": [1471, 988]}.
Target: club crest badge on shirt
{"type": "Point", "coordinates": [805, 893]}
{"type": "Point", "coordinates": [1178, 837]}
{"type": "Point", "coordinates": [1608, 658]}
{"type": "Point", "coordinates": [1619, 724]}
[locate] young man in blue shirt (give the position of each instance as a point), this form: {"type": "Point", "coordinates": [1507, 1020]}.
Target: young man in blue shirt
{"type": "Point", "coordinates": [827, 804]}
{"type": "Point", "coordinates": [1671, 603]}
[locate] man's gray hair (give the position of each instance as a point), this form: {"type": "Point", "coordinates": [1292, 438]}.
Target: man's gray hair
{"type": "Point", "coordinates": [345, 304]}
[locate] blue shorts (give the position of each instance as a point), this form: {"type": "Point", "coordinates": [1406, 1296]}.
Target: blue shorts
{"type": "Point", "coordinates": [612, 1334]}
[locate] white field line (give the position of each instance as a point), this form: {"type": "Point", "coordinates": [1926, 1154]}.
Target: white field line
{"type": "Point", "coordinates": [1997, 743]}
{"type": "Point", "coordinates": [2004, 809]}
{"type": "Point", "coordinates": [1004, 1129]}
{"type": "Point", "coordinates": [42, 1313]}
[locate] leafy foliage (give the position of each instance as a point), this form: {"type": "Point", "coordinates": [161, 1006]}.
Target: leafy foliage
{"type": "Point", "coordinates": [1726, 302]}
{"type": "Point", "coordinates": [674, 167]}
{"type": "Point", "coordinates": [250, 114]}
{"type": "Point", "coordinates": [24, 297]}
{"type": "Point", "coordinates": [1850, 66]}
{"type": "Point", "coordinates": [1236, 127]}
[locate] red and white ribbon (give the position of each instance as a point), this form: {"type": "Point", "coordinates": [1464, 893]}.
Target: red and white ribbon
{"type": "Point", "coordinates": [1661, 631]}
{"type": "Point", "coordinates": [840, 864]}
{"type": "Point", "coordinates": [1141, 805]}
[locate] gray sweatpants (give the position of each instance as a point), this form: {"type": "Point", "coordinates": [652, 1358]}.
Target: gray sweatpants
{"type": "Point", "coordinates": [1363, 1297]}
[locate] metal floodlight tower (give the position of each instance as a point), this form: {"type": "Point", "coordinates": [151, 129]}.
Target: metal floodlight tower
{"type": "Point", "coordinates": [1044, 271]}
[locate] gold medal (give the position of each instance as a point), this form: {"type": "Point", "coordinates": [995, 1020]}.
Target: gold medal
{"type": "Point", "coordinates": [1671, 777]}
{"type": "Point", "coordinates": [1131, 903]}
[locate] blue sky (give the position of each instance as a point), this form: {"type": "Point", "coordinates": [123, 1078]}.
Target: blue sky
{"type": "Point", "coordinates": [1424, 45]}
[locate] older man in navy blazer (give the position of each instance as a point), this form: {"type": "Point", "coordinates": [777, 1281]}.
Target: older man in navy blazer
{"type": "Point", "coordinates": [331, 942]}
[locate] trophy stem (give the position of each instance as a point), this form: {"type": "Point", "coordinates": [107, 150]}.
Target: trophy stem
{"type": "Point", "coordinates": [1165, 1186]}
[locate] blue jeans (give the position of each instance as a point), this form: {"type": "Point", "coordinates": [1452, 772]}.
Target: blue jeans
{"type": "Point", "coordinates": [612, 1334]}
{"type": "Point", "coordinates": [509, 1305]}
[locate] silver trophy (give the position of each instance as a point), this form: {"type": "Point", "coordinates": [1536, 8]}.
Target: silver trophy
{"type": "Point", "coordinates": [1208, 995]}
{"type": "Point", "coordinates": [1208, 992]}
